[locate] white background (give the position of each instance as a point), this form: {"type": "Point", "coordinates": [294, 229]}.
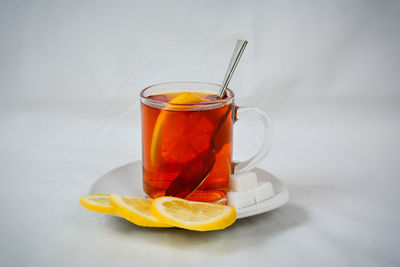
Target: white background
{"type": "Point", "coordinates": [326, 71]}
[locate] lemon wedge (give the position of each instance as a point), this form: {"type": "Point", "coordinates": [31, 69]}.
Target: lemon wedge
{"type": "Point", "coordinates": [97, 202]}
{"type": "Point", "coordinates": [193, 215]}
{"type": "Point", "coordinates": [135, 210]}
{"type": "Point", "coordinates": [162, 121]}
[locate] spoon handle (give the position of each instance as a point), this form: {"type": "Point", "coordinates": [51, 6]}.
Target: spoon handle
{"type": "Point", "coordinates": [237, 54]}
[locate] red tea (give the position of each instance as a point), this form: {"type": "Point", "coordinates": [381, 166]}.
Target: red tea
{"type": "Point", "coordinates": [187, 149]}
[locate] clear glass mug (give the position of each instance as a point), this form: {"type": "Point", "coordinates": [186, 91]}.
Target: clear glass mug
{"type": "Point", "coordinates": [187, 140]}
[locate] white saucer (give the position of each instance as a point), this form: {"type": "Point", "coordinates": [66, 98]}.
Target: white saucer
{"type": "Point", "coordinates": [127, 180]}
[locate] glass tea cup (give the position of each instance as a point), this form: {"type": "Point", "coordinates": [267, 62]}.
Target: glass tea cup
{"type": "Point", "coordinates": [187, 135]}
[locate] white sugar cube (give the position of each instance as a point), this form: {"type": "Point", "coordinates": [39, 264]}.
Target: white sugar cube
{"type": "Point", "coordinates": [263, 191]}
{"type": "Point", "coordinates": [246, 209]}
{"type": "Point", "coordinates": [243, 181]}
{"type": "Point", "coordinates": [241, 199]}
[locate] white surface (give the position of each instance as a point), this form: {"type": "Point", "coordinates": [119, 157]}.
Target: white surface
{"type": "Point", "coordinates": [243, 181]}
{"type": "Point", "coordinates": [263, 191]}
{"type": "Point", "coordinates": [326, 71]}
{"type": "Point", "coordinates": [126, 180]}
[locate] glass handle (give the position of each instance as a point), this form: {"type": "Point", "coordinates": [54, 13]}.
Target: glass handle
{"type": "Point", "coordinates": [267, 138]}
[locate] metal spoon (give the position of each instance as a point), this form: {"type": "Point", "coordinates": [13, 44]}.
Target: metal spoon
{"type": "Point", "coordinates": [197, 170]}
{"type": "Point", "coordinates": [237, 54]}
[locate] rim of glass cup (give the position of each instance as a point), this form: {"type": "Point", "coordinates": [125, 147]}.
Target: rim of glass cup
{"type": "Point", "coordinates": [158, 103]}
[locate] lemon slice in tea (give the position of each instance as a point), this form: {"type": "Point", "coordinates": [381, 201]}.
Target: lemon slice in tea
{"type": "Point", "coordinates": [172, 118]}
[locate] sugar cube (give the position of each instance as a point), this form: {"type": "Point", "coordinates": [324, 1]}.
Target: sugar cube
{"type": "Point", "coordinates": [246, 209]}
{"type": "Point", "coordinates": [263, 191]}
{"type": "Point", "coordinates": [243, 181]}
{"type": "Point", "coordinates": [241, 199]}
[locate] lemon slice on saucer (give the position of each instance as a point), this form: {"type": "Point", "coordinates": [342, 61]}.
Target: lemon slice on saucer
{"type": "Point", "coordinates": [193, 215]}
{"type": "Point", "coordinates": [97, 202]}
{"type": "Point", "coordinates": [135, 210]}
